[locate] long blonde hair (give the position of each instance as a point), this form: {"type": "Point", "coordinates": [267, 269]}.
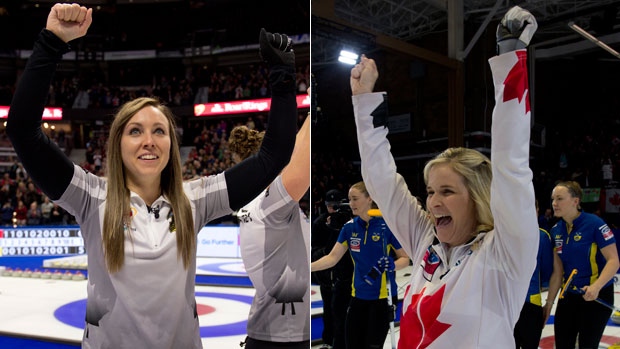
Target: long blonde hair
{"type": "Point", "coordinates": [117, 214]}
{"type": "Point", "coordinates": [475, 168]}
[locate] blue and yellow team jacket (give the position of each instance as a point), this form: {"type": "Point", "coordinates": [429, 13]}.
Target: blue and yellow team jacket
{"type": "Point", "coordinates": [581, 247]}
{"type": "Point", "coordinates": [544, 268]}
{"type": "Point", "coordinates": [367, 242]}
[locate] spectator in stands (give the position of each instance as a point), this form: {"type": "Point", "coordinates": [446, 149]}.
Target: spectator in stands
{"type": "Point", "coordinates": [13, 169]}
{"type": "Point", "coordinates": [98, 160]}
{"type": "Point", "coordinates": [6, 180]}
{"type": "Point", "coordinates": [144, 203]}
{"type": "Point", "coordinates": [7, 188]}
{"type": "Point", "coordinates": [34, 215]}
{"type": "Point", "coordinates": [7, 213]}
{"type": "Point", "coordinates": [20, 172]}
{"type": "Point", "coordinates": [32, 194]}
{"type": "Point", "coordinates": [21, 213]}
{"type": "Point", "coordinates": [46, 210]}
{"type": "Point", "coordinates": [58, 215]}
{"type": "Point", "coordinates": [546, 220]}
{"type": "Point", "coordinates": [250, 123]}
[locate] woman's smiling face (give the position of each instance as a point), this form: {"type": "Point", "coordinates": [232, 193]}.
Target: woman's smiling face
{"type": "Point", "coordinates": [145, 145]}
{"type": "Point", "coordinates": [359, 202]}
{"type": "Point", "coordinates": [450, 205]}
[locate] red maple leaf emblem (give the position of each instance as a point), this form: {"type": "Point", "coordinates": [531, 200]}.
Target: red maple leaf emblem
{"type": "Point", "coordinates": [615, 200]}
{"type": "Point", "coordinates": [516, 83]}
{"type": "Point", "coordinates": [419, 325]}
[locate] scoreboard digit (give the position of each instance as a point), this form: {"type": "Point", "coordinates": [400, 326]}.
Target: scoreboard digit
{"type": "Point", "coordinates": [41, 241]}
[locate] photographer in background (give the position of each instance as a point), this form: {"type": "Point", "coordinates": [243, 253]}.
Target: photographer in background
{"type": "Point", "coordinates": [335, 282]}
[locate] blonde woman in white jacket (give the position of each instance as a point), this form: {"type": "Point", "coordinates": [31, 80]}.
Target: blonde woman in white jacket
{"type": "Point", "coordinates": [474, 251]}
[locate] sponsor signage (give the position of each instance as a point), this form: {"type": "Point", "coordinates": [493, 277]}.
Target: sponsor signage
{"type": "Point", "coordinates": [243, 106]}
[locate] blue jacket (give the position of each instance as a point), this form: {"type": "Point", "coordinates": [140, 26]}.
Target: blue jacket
{"type": "Point", "coordinates": [544, 268]}
{"type": "Point", "coordinates": [367, 242]}
{"type": "Point", "coordinates": [581, 248]}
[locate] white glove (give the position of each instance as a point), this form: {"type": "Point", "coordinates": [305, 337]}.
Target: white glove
{"type": "Point", "coordinates": [515, 30]}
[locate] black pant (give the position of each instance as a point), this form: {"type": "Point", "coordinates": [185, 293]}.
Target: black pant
{"type": "Point", "coordinates": [341, 298]}
{"type": "Point", "coordinates": [367, 323]}
{"type": "Point", "coordinates": [328, 314]}
{"type": "Point", "coordinates": [257, 344]}
{"type": "Point", "coordinates": [529, 328]}
{"type": "Point", "coordinates": [574, 316]}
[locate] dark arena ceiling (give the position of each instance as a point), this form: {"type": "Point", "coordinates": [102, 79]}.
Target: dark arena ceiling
{"type": "Point", "coordinates": [162, 23]}
{"type": "Point", "coordinates": [413, 21]}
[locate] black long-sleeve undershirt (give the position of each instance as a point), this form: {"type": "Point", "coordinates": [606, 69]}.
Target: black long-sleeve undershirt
{"type": "Point", "coordinates": [45, 163]}
{"type": "Point", "coordinates": [251, 176]}
{"type": "Point", "coordinates": [52, 171]}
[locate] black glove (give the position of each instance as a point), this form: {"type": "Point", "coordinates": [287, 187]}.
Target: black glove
{"type": "Point", "coordinates": [372, 275]}
{"type": "Point", "coordinates": [515, 30]}
{"type": "Point", "coordinates": [276, 49]}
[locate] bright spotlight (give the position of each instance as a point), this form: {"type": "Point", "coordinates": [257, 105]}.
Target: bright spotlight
{"type": "Point", "coordinates": [348, 57]}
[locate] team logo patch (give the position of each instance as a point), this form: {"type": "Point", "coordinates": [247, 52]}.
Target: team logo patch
{"type": "Point", "coordinates": [577, 236]}
{"type": "Point", "coordinates": [375, 237]}
{"type": "Point", "coordinates": [430, 263]}
{"type": "Point", "coordinates": [244, 216]}
{"type": "Point", "coordinates": [355, 244]}
{"type": "Point", "coordinates": [607, 233]}
{"type": "Point", "coordinates": [558, 244]}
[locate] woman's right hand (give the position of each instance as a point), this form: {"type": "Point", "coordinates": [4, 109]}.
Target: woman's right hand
{"type": "Point", "coordinates": [363, 76]}
{"type": "Point", "coordinates": [69, 21]}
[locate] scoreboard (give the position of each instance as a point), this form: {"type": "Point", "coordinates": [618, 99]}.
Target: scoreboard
{"type": "Point", "coordinates": [41, 241]}
{"type": "Point", "coordinates": [212, 241]}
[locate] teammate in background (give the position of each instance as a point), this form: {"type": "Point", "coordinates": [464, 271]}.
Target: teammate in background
{"type": "Point", "coordinates": [584, 242]}
{"type": "Point", "coordinates": [476, 243]}
{"type": "Point", "coordinates": [275, 241]}
{"type": "Point", "coordinates": [370, 242]}
{"type": "Point", "coordinates": [335, 283]}
{"type": "Point", "coordinates": [534, 315]}
{"type": "Point", "coordinates": [140, 223]}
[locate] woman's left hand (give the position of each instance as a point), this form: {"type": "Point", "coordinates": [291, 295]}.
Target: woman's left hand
{"type": "Point", "coordinates": [590, 292]}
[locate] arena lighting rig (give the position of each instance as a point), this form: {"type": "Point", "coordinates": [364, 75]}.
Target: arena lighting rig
{"type": "Point", "coordinates": [348, 57]}
{"type": "Point", "coordinates": [592, 38]}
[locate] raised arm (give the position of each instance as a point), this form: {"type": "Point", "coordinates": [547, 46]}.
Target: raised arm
{"type": "Point", "coordinates": [399, 207]}
{"type": "Point", "coordinates": [296, 175]}
{"type": "Point", "coordinates": [45, 162]}
{"type": "Point", "coordinates": [516, 237]}
{"type": "Point", "coordinates": [247, 179]}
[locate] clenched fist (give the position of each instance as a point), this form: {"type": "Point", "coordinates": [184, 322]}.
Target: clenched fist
{"type": "Point", "coordinates": [69, 21]}
{"type": "Point", "coordinates": [363, 76]}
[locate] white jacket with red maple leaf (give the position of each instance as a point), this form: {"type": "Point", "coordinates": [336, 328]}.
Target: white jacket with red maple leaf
{"type": "Point", "coordinates": [476, 290]}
